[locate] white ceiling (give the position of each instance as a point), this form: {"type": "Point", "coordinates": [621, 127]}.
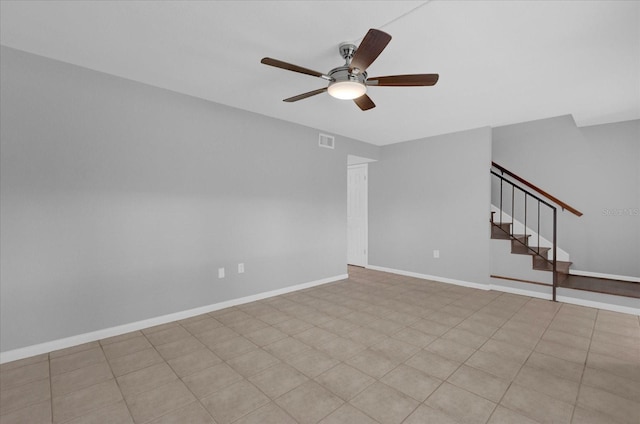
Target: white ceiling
{"type": "Point", "coordinates": [500, 62]}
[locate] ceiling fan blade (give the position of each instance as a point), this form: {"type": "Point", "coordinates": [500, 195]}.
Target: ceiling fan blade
{"type": "Point", "coordinates": [364, 102]}
{"type": "Point", "coordinates": [295, 68]}
{"type": "Point", "coordinates": [305, 95]}
{"type": "Point", "coordinates": [372, 45]}
{"type": "Point", "coordinates": [404, 80]}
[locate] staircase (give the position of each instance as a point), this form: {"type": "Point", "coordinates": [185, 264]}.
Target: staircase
{"type": "Point", "coordinates": [515, 196]}
{"type": "Point", "coordinates": [520, 246]}
{"type": "Point", "coordinates": [521, 218]}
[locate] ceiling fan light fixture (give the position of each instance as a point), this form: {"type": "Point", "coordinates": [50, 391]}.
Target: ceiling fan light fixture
{"type": "Point", "coordinates": [347, 90]}
{"type": "Point", "coordinates": [349, 81]}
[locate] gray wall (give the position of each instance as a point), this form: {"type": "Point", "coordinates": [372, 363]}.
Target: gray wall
{"type": "Point", "coordinates": [119, 201]}
{"type": "Point", "coordinates": [613, 229]}
{"type": "Point", "coordinates": [591, 169]}
{"type": "Point", "coordinates": [429, 194]}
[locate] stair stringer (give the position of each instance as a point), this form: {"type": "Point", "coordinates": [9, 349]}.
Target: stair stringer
{"type": "Point", "coordinates": [518, 228]}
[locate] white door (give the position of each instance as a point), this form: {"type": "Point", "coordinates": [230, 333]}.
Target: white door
{"type": "Point", "coordinates": [357, 215]}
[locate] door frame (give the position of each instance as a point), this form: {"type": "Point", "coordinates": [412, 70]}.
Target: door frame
{"type": "Point", "coordinates": [365, 196]}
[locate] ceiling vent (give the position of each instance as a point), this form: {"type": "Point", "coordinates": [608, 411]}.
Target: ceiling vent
{"type": "Point", "coordinates": [327, 141]}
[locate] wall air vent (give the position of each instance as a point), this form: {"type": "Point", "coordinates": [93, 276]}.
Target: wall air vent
{"type": "Point", "coordinates": [327, 141]}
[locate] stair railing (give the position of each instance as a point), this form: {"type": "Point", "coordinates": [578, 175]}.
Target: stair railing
{"type": "Point", "coordinates": [525, 207]}
{"type": "Point", "coordinates": [554, 199]}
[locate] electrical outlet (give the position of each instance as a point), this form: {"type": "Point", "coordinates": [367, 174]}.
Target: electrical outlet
{"type": "Point", "coordinates": [240, 268]}
{"type": "Point", "coordinates": [220, 272]}
{"type": "Point", "coordinates": [436, 253]}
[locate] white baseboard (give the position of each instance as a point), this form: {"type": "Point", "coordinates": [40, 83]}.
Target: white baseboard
{"type": "Point", "coordinates": [598, 305]}
{"type": "Point", "coordinates": [430, 277]}
{"type": "Point", "coordinates": [601, 275]}
{"type": "Point", "coordinates": [26, 352]}
{"type": "Point", "coordinates": [522, 291]}
{"type": "Point", "coordinates": [560, 298]}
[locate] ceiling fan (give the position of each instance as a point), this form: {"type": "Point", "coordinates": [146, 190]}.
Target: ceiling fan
{"type": "Point", "coordinates": [350, 81]}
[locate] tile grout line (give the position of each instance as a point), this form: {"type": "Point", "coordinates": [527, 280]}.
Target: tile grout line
{"type": "Point", "coordinates": [531, 353]}
{"type": "Point", "coordinates": [223, 361]}
{"type": "Point", "coordinates": [86, 387]}
{"type": "Point", "coordinates": [379, 380]}
{"type": "Point", "coordinates": [498, 403]}
{"type": "Point", "coordinates": [375, 380]}
{"type": "Point", "coordinates": [584, 367]}
{"type": "Point", "coordinates": [50, 386]}
{"type": "Point", "coordinates": [478, 349]}
{"type": "Point", "coordinates": [313, 379]}
{"type": "Point", "coordinates": [198, 400]}
{"type": "Point", "coordinates": [464, 362]}
{"type": "Point", "coordinates": [124, 399]}
{"type": "Point", "coordinates": [243, 377]}
{"type": "Point", "coordinates": [126, 404]}
{"type": "Point", "coordinates": [82, 388]}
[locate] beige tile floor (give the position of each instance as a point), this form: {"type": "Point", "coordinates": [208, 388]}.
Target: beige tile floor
{"type": "Point", "coordinates": [376, 348]}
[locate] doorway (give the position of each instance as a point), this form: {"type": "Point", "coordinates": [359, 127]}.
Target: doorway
{"type": "Point", "coordinates": [357, 215]}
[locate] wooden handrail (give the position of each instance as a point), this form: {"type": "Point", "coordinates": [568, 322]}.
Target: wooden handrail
{"type": "Point", "coordinates": [544, 193]}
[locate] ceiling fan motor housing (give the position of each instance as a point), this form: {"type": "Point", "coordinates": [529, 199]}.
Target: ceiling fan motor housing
{"type": "Point", "coordinates": [346, 85]}
{"type": "Point", "coordinates": [342, 73]}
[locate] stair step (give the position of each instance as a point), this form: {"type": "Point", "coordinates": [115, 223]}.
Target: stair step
{"type": "Point", "coordinates": [602, 285]}
{"type": "Point", "coordinates": [521, 239]}
{"type": "Point", "coordinates": [506, 226]}
{"type": "Point", "coordinates": [520, 249]}
{"type": "Point", "coordinates": [541, 264]}
{"type": "Point", "coordinates": [519, 245]}
{"type": "Point", "coordinates": [501, 231]}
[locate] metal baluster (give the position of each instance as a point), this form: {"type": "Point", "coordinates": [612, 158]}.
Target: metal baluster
{"type": "Point", "coordinates": [538, 227]}
{"type": "Point", "coordinates": [525, 214]}
{"type": "Point", "coordinates": [513, 212]}
{"type": "Point", "coordinates": [501, 180]}
{"type": "Point", "coordinates": [555, 274]}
